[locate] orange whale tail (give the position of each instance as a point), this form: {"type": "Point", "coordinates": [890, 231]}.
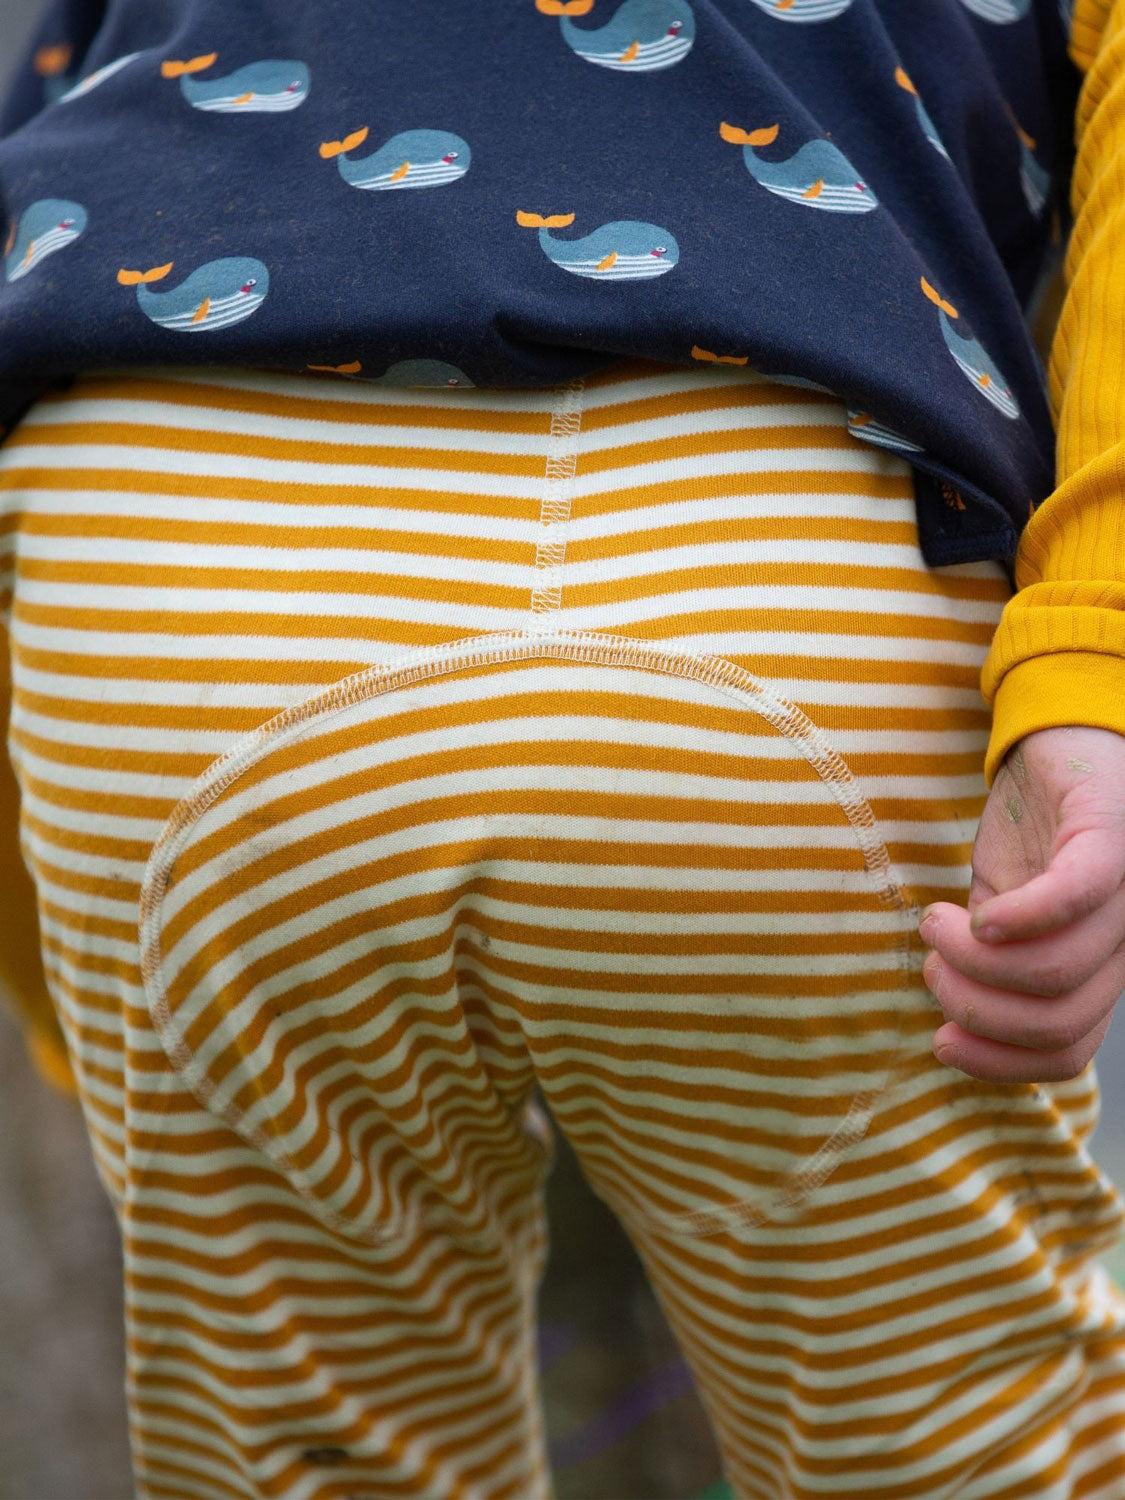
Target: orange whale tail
{"type": "Point", "coordinates": [718, 359]}
{"type": "Point", "coordinates": [543, 221]}
{"type": "Point", "coordinates": [173, 69]}
{"type": "Point", "coordinates": [938, 300]}
{"type": "Point", "coordinates": [135, 278]}
{"type": "Point", "coordinates": [738, 137]}
{"type": "Point", "coordinates": [50, 61]}
{"type": "Point", "coordinates": [352, 368]}
{"type": "Point", "coordinates": [564, 7]}
{"type": "Point", "coordinates": [329, 149]}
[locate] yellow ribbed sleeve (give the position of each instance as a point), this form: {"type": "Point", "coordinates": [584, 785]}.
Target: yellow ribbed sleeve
{"type": "Point", "coordinates": [1058, 656]}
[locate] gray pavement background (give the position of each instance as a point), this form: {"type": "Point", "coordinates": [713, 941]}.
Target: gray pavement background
{"type": "Point", "coordinates": [62, 1419]}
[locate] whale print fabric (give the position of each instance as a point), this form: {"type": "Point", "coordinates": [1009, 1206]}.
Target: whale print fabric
{"type": "Point", "coordinates": [642, 36]}
{"type": "Point", "coordinates": [410, 159]}
{"type": "Point", "coordinates": [818, 175]}
{"type": "Point", "coordinates": [622, 250]}
{"type": "Point", "coordinates": [99, 75]}
{"type": "Point", "coordinates": [214, 296]}
{"type": "Point", "coordinates": [803, 10]}
{"type": "Point", "coordinates": [44, 228]}
{"type": "Point", "coordinates": [1000, 11]}
{"type": "Point", "coordinates": [260, 87]}
{"type": "Point", "coordinates": [195, 161]}
{"type": "Point", "coordinates": [971, 358]}
{"type": "Point", "coordinates": [929, 129]}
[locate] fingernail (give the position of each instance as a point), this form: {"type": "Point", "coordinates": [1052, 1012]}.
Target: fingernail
{"type": "Point", "coordinates": [982, 928]}
{"type": "Point", "coordinates": [928, 926]}
{"type": "Point", "coordinates": [943, 1054]}
{"type": "Point", "coordinates": [930, 971]}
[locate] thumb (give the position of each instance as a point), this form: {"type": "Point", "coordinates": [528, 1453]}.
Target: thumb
{"type": "Point", "coordinates": [1082, 876]}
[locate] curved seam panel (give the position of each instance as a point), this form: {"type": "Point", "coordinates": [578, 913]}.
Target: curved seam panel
{"type": "Point", "coordinates": [723, 676]}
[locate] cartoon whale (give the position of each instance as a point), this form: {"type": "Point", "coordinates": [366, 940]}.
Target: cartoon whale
{"type": "Point", "coordinates": [216, 295]}
{"type": "Point", "coordinates": [1034, 179]}
{"type": "Point", "coordinates": [1001, 11]}
{"type": "Point", "coordinates": [803, 10]}
{"type": "Point", "coordinates": [929, 129]}
{"type": "Point", "coordinates": [971, 358]}
{"type": "Point", "coordinates": [99, 75]}
{"type": "Point", "coordinates": [46, 226]}
{"type": "Point", "coordinates": [818, 175]}
{"type": "Point", "coordinates": [266, 87]}
{"type": "Point", "coordinates": [423, 372]}
{"type": "Point", "coordinates": [410, 159]}
{"type": "Point", "coordinates": [861, 424]}
{"type": "Point", "coordinates": [642, 36]}
{"type": "Point", "coordinates": [622, 250]}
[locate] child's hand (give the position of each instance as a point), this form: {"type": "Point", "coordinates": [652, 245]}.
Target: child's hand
{"type": "Point", "coordinates": [1028, 986]}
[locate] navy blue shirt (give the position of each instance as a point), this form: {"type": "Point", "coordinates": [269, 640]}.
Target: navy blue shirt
{"type": "Point", "coordinates": [857, 194]}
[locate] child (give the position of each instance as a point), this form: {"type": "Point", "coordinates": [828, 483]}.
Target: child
{"type": "Point", "coordinates": [596, 724]}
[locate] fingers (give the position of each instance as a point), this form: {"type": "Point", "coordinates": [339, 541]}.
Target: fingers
{"type": "Point", "coordinates": [1055, 963]}
{"type": "Point", "coordinates": [1031, 1021]}
{"type": "Point", "coordinates": [1004, 1036]}
{"type": "Point", "coordinates": [1082, 876]}
{"type": "Point", "coordinates": [996, 1062]}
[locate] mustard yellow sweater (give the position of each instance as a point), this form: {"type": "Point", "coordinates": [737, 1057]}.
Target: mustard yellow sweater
{"type": "Point", "coordinates": [1058, 656]}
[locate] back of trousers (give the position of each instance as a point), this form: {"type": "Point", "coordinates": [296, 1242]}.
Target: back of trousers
{"type": "Point", "coordinates": [396, 762]}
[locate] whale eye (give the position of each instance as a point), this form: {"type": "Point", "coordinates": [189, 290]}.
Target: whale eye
{"type": "Point", "coordinates": [66, 223]}
{"type": "Point", "coordinates": [251, 283]}
{"type": "Point", "coordinates": [451, 156]}
{"type": "Point", "coordinates": [675, 28]}
{"type": "Point", "coordinates": [296, 84]}
{"type": "Point", "coordinates": [453, 380]}
{"type": "Point", "coordinates": [659, 250]}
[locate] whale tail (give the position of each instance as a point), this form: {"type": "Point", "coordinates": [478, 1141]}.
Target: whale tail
{"type": "Point", "coordinates": [543, 221]}
{"type": "Point", "coordinates": [50, 61]}
{"type": "Point", "coordinates": [142, 278]}
{"type": "Point", "coordinates": [902, 78]}
{"type": "Point", "coordinates": [172, 69]}
{"type": "Point", "coordinates": [564, 7]}
{"type": "Point", "coordinates": [718, 359]}
{"type": "Point", "coordinates": [738, 137]}
{"type": "Point", "coordinates": [352, 368]}
{"type": "Point", "coordinates": [329, 149]}
{"type": "Point", "coordinates": [938, 300]}
{"type": "Point", "coordinates": [1028, 140]}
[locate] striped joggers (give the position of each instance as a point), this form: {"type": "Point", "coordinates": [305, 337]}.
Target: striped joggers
{"type": "Point", "coordinates": [394, 762]}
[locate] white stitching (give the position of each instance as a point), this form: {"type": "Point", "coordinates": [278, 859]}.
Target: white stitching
{"type": "Point", "coordinates": [558, 480]}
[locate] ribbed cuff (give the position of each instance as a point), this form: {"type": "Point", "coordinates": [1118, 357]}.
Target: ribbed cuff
{"type": "Point", "coordinates": [1048, 692]}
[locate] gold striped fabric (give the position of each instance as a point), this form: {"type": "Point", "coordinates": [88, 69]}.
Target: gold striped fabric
{"type": "Point", "coordinates": [393, 761]}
